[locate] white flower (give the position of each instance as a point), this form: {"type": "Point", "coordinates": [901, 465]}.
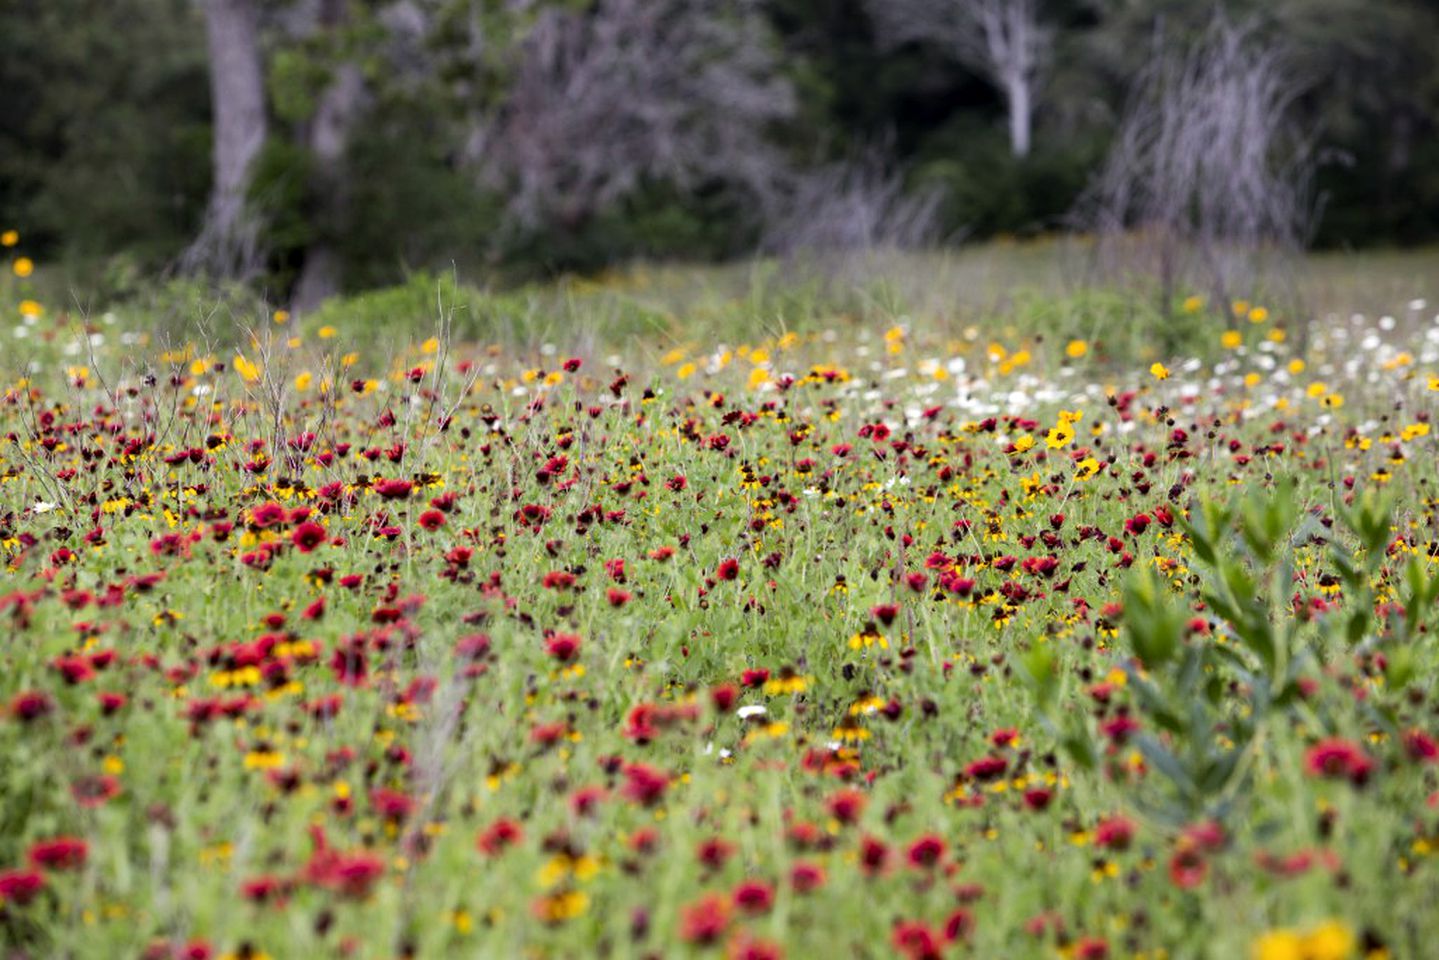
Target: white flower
{"type": "Point", "coordinates": [751, 710]}
{"type": "Point", "coordinates": [42, 507]}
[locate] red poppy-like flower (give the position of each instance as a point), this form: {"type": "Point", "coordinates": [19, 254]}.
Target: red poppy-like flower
{"type": "Point", "coordinates": [31, 705]}
{"type": "Point", "coordinates": [728, 569]}
{"type": "Point", "coordinates": [1038, 798]}
{"type": "Point", "coordinates": [747, 948]}
{"type": "Point", "coordinates": [753, 897]}
{"type": "Point", "coordinates": [20, 886]}
{"type": "Point", "coordinates": [987, 768]}
{"type": "Point", "coordinates": [873, 856]}
{"type": "Point", "coordinates": [95, 791]}
{"type": "Point", "coordinates": [393, 489]}
{"type": "Point", "coordinates": [806, 877]}
{"type": "Point", "coordinates": [432, 520]}
{"type": "Point", "coordinates": [926, 852]}
{"type": "Point", "coordinates": [1339, 759]}
{"type": "Point", "coordinates": [1119, 728]}
{"type": "Point", "coordinates": [705, 920]}
{"type": "Point", "coordinates": [392, 804]}
{"type": "Point", "coordinates": [885, 613]}
{"type": "Point", "coordinates": [1114, 833]}
{"type": "Point", "coordinates": [1187, 868]}
{"type": "Point", "coordinates": [563, 647]}
{"type": "Point", "coordinates": [307, 536]}
{"type": "Point", "coordinates": [846, 805]}
{"type": "Point", "coordinates": [1137, 524]}
{"type": "Point", "coordinates": [644, 784]}
{"type": "Point", "coordinates": [1421, 747]}
{"type": "Point", "coordinates": [1091, 948]}
{"type": "Point", "coordinates": [59, 853]}
{"type": "Point", "coordinates": [499, 836]}
{"type": "Point", "coordinates": [916, 941]}
{"type": "Point", "coordinates": [267, 515]}
{"type": "Point", "coordinates": [265, 890]}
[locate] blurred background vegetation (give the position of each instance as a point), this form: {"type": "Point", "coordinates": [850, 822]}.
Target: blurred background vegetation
{"type": "Point", "coordinates": [106, 129]}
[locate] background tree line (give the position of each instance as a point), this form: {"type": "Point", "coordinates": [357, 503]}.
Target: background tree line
{"type": "Point", "coordinates": [318, 145]}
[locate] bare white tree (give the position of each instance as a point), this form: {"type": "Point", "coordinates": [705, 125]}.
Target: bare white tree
{"type": "Point", "coordinates": [630, 92]}
{"type": "Point", "coordinates": [227, 243]}
{"type": "Point", "coordinates": [1004, 40]}
{"type": "Point", "coordinates": [857, 204]}
{"type": "Point", "coordinates": [1208, 167]}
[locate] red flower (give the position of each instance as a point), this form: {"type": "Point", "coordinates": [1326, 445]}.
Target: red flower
{"type": "Point", "coordinates": [1187, 868]}
{"type": "Point", "coordinates": [847, 805]}
{"type": "Point", "coordinates": [916, 941]}
{"type": "Point", "coordinates": [1339, 759]}
{"type": "Point", "coordinates": [392, 805]}
{"type": "Point", "coordinates": [95, 791]}
{"type": "Point", "coordinates": [1421, 747]}
{"type": "Point", "coordinates": [563, 647]}
{"type": "Point", "coordinates": [499, 836]}
{"type": "Point", "coordinates": [753, 897]}
{"type": "Point", "coordinates": [31, 705]}
{"type": "Point", "coordinates": [393, 489]}
{"type": "Point", "coordinates": [59, 853]}
{"type": "Point", "coordinates": [1115, 833]}
{"type": "Point", "coordinates": [20, 886]}
{"type": "Point", "coordinates": [873, 856]}
{"type": "Point", "coordinates": [885, 613]}
{"type": "Point", "coordinates": [705, 920]}
{"type": "Point", "coordinates": [308, 536]}
{"type": "Point", "coordinates": [644, 784]}
{"type": "Point", "coordinates": [432, 520]}
{"type": "Point", "coordinates": [926, 852]}
{"type": "Point", "coordinates": [806, 877]}
{"type": "Point", "coordinates": [728, 569]}
{"type": "Point", "coordinates": [1038, 798]}
{"type": "Point", "coordinates": [1091, 948]}
{"type": "Point", "coordinates": [747, 948]}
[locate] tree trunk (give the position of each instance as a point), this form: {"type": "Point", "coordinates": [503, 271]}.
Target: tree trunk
{"type": "Point", "coordinates": [1021, 112]}
{"type": "Point", "coordinates": [227, 242]}
{"type": "Point", "coordinates": [328, 138]}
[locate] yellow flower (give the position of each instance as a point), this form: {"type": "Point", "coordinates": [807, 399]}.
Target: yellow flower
{"type": "Point", "coordinates": [1086, 469]}
{"type": "Point", "coordinates": [431, 345]}
{"type": "Point", "coordinates": [1258, 315]}
{"type": "Point", "coordinates": [1059, 436]}
{"type": "Point", "coordinates": [685, 371]}
{"type": "Point", "coordinates": [1023, 443]}
{"type": "Point", "coordinates": [1278, 945]}
{"type": "Point", "coordinates": [326, 332]}
{"type": "Point", "coordinates": [1330, 940]}
{"type": "Point", "coordinates": [9, 238]}
{"type": "Point", "coordinates": [30, 308]}
{"type": "Point", "coordinates": [281, 316]}
{"type": "Point", "coordinates": [1076, 349]}
{"type": "Point", "coordinates": [1433, 382]}
{"type": "Point", "coordinates": [303, 381]}
{"type": "Point", "coordinates": [247, 370]}
{"type": "Point", "coordinates": [1296, 366]}
{"type": "Point", "coordinates": [1160, 371]}
{"type": "Point", "coordinates": [1231, 340]}
{"type": "Point", "coordinates": [23, 267]}
{"type": "Point", "coordinates": [1193, 304]}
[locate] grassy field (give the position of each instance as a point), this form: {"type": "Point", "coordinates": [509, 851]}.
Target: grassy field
{"type": "Point", "coordinates": [930, 607]}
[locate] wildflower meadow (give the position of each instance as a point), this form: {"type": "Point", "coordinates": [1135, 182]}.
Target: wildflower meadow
{"type": "Point", "coordinates": [851, 638]}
